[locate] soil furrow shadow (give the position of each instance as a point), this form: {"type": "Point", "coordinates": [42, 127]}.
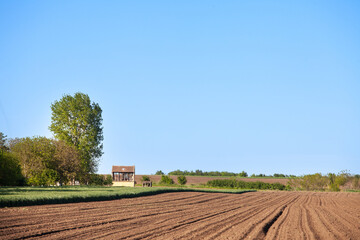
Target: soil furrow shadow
{"type": "Point", "coordinates": [268, 225]}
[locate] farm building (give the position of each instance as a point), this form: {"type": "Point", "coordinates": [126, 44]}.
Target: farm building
{"type": "Point", "coordinates": [123, 176]}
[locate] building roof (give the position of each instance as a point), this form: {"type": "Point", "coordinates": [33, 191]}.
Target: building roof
{"type": "Point", "coordinates": [123, 169]}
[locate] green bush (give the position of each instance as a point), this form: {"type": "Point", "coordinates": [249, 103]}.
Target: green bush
{"type": "Point", "coordinates": [333, 185]}
{"type": "Point", "coordinates": [279, 175]}
{"type": "Point", "coordinates": [314, 182]}
{"type": "Point", "coordinates": [355, 181]}
{"type": "Point", "coordinates": [145, 178]}
{"type": "Point", "coordinates": [243, 174]}
{"type": "Point", "coordinates": [342, 178]}
{"type": "Point", "coordinates": [318, 182]}
{"type": "Point", "coordinates": [182, 180]}
{"type": "Point", "coordinates": [166, 180]}
{"type": "Point", "coordinates": [233, 183]}
{"type": "Point", "coordinates": [108, 180]}
{"type": "Point", "coordinates": [96, 180]}
{"type": "Point", "coordinates": [10, 171]}
{"type": "Point", "coordinates": [159, 172]}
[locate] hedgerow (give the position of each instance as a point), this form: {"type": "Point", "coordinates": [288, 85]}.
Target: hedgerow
{"type": "Point", "coordinates": [238, 184]}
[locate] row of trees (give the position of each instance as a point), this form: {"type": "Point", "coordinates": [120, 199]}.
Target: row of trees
{"type": "Point", "coordinates": [204, 173]}
{"type": "Point", "coordinates": [331, 181]}
{"type": "Point", "coordinates": [233, 183]}
{"type": "Point", "coordinates": [73, 155]}
{"type": "Point", "coordinates": [167, 180]}
{"type": "Point", "coordinates": [223, 173]}
{"type": "Point", "coordinates": [46, 161]}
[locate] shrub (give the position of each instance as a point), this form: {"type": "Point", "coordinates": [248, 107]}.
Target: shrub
{"type": "Point", "coordinates": [279, 175]}
{"type": "Point", "coordinates": [145, 178]}
{"type": "Point", "coordinates": [182, 180]}
{"type": "Point", "coordinates": [96, 179]}
{"type": "Point", "coordinates": [314, 182]}
{"type": "Point", "coordinates": [355, 181]}
{"type": "Point", "coordinates": [333, 186]}
{"type": "Point", "coordinates": [45, 161]}
{"type": "Point", "coordinates": [166, 180]}
{"type": "Point", "coordinates": [108, 180]}
{"type": "Point", "coordinates": [243, 174]}
{"type": "Point", "coordinates": [342, 178]}
{"type": "Point", "coordinates": [10, 171]}
{"type": "Point", "coordinates": [159, 172]}
{"type": "Point", "coordinates": [233, 183]}
{"type": "Point", "coordinates": [319, 182]}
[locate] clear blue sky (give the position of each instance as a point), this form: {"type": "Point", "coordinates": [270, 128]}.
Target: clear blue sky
{"type": "Point", "coordinates": [261, 86]}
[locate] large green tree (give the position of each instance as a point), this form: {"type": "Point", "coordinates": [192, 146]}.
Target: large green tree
{"type": "Point", "coordinates": [10, 171]}
{"type": "Point", "coordinates": [45, 161]}
{"type": "Point", "coordinates": [77, 121]}
{"type": "Point", "coordinates": [2, 141]}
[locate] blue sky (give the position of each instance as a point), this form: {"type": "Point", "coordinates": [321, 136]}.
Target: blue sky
{"type": "Point", "coordinates": [261, 86]}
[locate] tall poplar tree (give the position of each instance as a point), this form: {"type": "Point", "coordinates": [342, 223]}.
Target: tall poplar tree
{"type": "Point", "coordinates": [77, 121]}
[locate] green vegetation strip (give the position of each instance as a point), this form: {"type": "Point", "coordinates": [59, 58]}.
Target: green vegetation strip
{"type": "Point", "coordinates": [26, 196]}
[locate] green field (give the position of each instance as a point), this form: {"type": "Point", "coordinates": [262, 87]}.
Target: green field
{"type": "Point", "coordinates": [25, 196]}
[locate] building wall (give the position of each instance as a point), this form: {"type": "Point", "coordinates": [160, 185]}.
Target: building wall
{"type": "Point", "coordinates": [123, 184]}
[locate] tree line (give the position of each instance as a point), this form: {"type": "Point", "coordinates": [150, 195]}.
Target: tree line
{"type": "Point", "coordinates": [204, 173]}
{"type": "Point", "coordinates": [222, 174]}
{"type": "Point", "coordinates": [331, 181]}
{"type": "Point", "coordinates": [72, 155]}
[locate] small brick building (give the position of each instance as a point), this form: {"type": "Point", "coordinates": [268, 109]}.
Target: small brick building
{"type": "Point", "coordinates": [123, 176]}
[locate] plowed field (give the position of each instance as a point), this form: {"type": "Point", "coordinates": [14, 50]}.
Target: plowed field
{"type": "Point", "coordinates": [192, 215]}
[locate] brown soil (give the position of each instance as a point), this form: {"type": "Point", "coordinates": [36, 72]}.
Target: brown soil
{"type": "Point", "coordinates": [199, 180]}
{"type": "Point", "coordinates": [192, 215]}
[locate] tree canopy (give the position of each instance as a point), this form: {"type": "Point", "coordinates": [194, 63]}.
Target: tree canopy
{"type": "Point", "coordinates": [2, 141]}
{"type": "Point", "coordinates": [45, 161]}
{"type": "Point", "coordinates": [10, 171]}
{"type": "Point", "coordinates": [77, 121]}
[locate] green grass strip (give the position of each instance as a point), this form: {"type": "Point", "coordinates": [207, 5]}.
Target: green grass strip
{"type": "Point", "coordinates": [27, 196]}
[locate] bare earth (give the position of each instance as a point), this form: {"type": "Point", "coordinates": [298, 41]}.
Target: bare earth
{"type": "Point", "coordinates": [192, 215]}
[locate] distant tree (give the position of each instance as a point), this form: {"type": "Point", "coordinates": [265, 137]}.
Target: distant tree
{"type": "Point", "coordinates": [145, 178]}
{"type": "Point", "coordinates": [78, 122]}
{"type": "Point", "coordinates": [355, 181]}
{"type": "Point", "coordinates": [159, 172]}
{"type": "Point", "coordinates": [166, 180]}
{"type": "Point", "coordinates": [259, 175]}
{"type": "Point", "coordinates": [2, 139]}
{"type": "Point", "coordinates": [201, 173]}
{"type": "Point", "coordinates": [279, 175]}
{"type": "Point", "coordinates": [96, 180]}
{"type": "Point", "coordinates": [176, 172]}
{"type": "Point", "coordinates": [2, 142]}
{"type": "Point", "coordinates": [182, 180]}
{"type": "Point", "coordinates": [332, 184]}
{"type": "Point", "coordinates": [243, 174]}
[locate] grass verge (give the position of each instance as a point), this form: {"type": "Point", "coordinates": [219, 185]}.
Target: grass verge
{"type": "Point", "coordinates": [26, 196]}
